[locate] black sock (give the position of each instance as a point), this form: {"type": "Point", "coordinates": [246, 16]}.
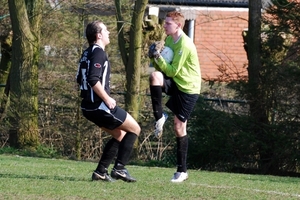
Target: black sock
{"type": "Point", "coordinates": [156, 98]}
{"type": "Point", "coordinates": [109, 153]}
{"type": "Point", "coordinates": [125, 150]}
{"type": "Point", "coordinates": [182, 149]}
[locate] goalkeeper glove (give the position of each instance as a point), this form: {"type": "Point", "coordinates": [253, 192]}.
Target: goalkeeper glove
{"type": "Point", "coordinates": [155, 49]}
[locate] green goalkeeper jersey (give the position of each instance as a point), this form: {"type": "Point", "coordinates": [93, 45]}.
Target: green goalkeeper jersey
{"type": "Point", "coordinates": [185, 67]}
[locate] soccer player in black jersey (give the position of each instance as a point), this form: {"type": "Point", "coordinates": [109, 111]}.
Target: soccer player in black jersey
{"type": "Point", "coordinates": [99, 107]}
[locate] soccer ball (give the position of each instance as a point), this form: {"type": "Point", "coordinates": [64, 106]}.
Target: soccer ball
{"type": "Point", "coordinates": [167, 53]}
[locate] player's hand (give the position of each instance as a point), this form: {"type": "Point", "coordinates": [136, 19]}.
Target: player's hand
{"type": "Point", "coordinates": [111, 103]}
{"type": "Point", "coordinates": [155, 49]}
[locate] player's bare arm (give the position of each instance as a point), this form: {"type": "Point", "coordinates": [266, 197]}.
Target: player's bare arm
{"type": "Point", "coordinates": [110, 102]}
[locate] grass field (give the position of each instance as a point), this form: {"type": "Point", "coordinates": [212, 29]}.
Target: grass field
{"type": "Point", "coordinates": [40, 178]}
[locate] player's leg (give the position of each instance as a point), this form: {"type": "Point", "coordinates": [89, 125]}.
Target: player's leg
{"type": "Point", "coordinates": [159, 83]}
{"type": "Point", "coordinates": [129, 130]}
{"type": "Point", "coordinates": [181, 105]}
{"type": "Point", "coordinates": [109, 153]}
{"type": "Point", "coordinates": [111, 147]}
{"type": "Point", "coordinates": [181, 152]}
{"type": "Point", "coordinates": [156, 84]}
{"type": "Point", "coordinates": [129, 125]}
{"type": "Point", "coordinates": [124, 130]}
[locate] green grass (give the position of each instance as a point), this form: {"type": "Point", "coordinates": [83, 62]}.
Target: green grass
{"type": "Point", "coordinates": [41, 178]}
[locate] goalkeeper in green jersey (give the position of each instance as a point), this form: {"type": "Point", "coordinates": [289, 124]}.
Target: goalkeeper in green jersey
{"type": "Point", "coordinates": [181, 80]}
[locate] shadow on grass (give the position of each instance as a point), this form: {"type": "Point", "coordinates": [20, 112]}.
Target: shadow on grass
{"type": "Point", "coordinates": [56, 178]}
{"type": "Point", "coordinates": [241, 170]}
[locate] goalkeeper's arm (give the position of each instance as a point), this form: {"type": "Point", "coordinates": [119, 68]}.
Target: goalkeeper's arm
{"type": "Point", "coordinates": [154, 64]}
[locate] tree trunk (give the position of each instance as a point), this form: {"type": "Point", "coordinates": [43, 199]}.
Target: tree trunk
{"type": "Point", "coordinates": [133, 72]}
{"type": "Point", "coordinates": [254, 43]}
{"type": "Point", "coordinates": [257, 96]}
{"type": "Point", "coordinates": [5, 65]}
{"type": "Point", "coordinates": [132, 58]}
{"type": "Point", "coordinates": [25, 19]}
{"type": "Point", "coordinates": [121, 38]}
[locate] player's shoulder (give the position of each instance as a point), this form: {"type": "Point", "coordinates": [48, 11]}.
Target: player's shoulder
{"type": "Point", "coordinates": [186, 39]}
{"type": "Point", "coordinates": [98, 52]}
{"type": "Point", "coordinates": [86, 50]}
{"type": "Point", "coordinates": [96, 47]}
{"type": "Point", "coordinates": [187, 42]}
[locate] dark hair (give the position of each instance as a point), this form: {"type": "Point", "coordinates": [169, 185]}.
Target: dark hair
{"type": "Point", "coordinates": [91, 30]}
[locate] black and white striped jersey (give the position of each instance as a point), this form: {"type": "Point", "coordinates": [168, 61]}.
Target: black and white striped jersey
{"type": "Point", "coordinates": [93, 67]}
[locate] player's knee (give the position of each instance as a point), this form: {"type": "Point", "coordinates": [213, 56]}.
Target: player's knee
{"type": "Point", "coordinates": [135, 128]}
{"type": "Point", "coordinates": [138, 130]}
{"type": "Point", "coordinates": [179, 128]}
{"type": "Point", "coordinates": [155, 76]}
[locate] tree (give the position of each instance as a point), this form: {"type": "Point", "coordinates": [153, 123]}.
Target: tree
{"type": "Point", "coordinates": [132, 57]}
{"type": "Point", "coordinates": [5, 62]}
{"type": "Point", "coordinates": [272, 70]}
{"type": "Point", "coordinates": [25, 19]}
{"type": "Point", "coordinates": [254, 49]}
{"type": "Point", "coordinates": [257, 96]}
{"type": "Point", "coordinates": [280, 77]}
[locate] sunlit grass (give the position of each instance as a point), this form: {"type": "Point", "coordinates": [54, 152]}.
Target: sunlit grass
{"type": "Point", "coordinates": [39, 178]}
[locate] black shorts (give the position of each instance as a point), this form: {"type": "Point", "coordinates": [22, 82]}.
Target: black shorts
{"type": "Point", "coordinates": [104, 117]}
{"type": "Point", "coordinates": [180, 103]}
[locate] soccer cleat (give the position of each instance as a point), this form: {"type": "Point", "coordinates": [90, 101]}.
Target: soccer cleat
{"type": "Point", "coordinates": [179, 177]}
{"type": "Point", "coordinates": [97, 176]}
{"type": "Point", "coordinates": [159, 125]}
{"type": "Point", "coordinates": [122, 174]}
